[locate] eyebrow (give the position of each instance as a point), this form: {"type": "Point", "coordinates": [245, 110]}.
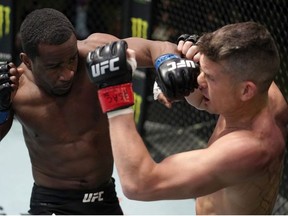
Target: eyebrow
{"type": "Point", "coordinates": [76, 53]}
{"type": "Point", "coordinates": [207, 74]}
{"type": "Point", "coordinates": [61, 62]}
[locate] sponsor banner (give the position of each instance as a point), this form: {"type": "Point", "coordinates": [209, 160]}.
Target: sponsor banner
{"type": "Point", "coordinates": [138, 22]}
{"type": "Point", "coordinates": [6, 36]}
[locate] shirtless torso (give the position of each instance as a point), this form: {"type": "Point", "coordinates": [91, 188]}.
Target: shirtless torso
{"type": "Point", "coordinates": [255, 195]}
{"type": "Point", "coordinates": [239, 172]}
{"type": "Point", "coordinates": [66, 136]}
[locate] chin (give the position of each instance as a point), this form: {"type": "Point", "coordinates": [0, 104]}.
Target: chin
{"type": "Point", "coordinates": [61, 93]}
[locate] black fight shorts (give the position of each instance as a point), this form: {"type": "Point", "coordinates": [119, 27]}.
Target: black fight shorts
{"type": "Point", "coordinates": [99, 201]}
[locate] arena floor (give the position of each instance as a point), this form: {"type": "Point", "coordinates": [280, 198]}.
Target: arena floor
{"type": "Point", "coordinates": [16, 183]}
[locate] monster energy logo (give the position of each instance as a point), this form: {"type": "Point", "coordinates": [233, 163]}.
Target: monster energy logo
{"type": "Point", "coordinates": [5, 12]}
{"type": "Point", "coordinates": [139, 27]}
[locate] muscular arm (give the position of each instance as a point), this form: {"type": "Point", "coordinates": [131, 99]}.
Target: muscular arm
{"type": "Point", "coordinates": [141, 177]}
{"type": "Point", "coordinates": [279, 106]}
{"type": "Point", "coordinates": [93, 41]}
{"type": "Point", "coordinates": [147, 50]}
{"type": "Point", "coordinates": [185, 175]}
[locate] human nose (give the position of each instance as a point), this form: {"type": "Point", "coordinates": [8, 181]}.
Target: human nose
{"type": "Point", "coordinates": [66, 74]}
{"type": "Point", "coordinates": [201, 81]}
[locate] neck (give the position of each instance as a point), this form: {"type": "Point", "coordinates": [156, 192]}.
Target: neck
{"type": "Point", "coordinates": [244, 116]}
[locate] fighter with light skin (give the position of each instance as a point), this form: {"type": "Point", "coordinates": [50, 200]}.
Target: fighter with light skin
{"type": "Point", "coordinates": [239, 171]}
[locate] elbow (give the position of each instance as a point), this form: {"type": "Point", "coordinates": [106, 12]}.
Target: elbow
{"type": "Point", "coordinates": [132, 191]}
{"type": "Point", "coordinates": [136, 191]}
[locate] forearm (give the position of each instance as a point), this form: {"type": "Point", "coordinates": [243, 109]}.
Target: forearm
{"type": "Point", "coordinates": [148, 50]}
{"type": "Point", "coordinates": [115, 94]}
{"type": "Point", "coordinates": [133, 161]}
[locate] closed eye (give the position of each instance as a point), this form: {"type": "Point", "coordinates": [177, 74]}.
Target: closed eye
{"type": "Point", "coordinates": [71, 60]}
{"type": "Point", "coordinates": [208, 77]}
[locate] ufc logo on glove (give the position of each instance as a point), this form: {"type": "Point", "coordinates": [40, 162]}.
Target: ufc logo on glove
{"type": "Point", "coordinates": [99, 69]}
{"type": "Point", "coordinates": [109, 70]}
{"type": "Point", "coordinates": [176, 77]}
{"type": "Point", "coordinates": [181, 64]}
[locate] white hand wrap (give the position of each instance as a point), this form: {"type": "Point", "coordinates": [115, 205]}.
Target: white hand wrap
{"type": "Point", "coordinates": [156, 91]}
{"type": "Point", "coordinates": [133, 63]}
{"type": "Point", "coordinates": [118, 112]}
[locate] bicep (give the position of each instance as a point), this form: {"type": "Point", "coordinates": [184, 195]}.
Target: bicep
{"type": "Point", "coordinates": [200, 172]}
{"type": "Point", "coordinates": [186, 175]}
{"type": "Point", "coordinates": [93, 41]}
{"type": "Point", "coordinates": [148, 50]}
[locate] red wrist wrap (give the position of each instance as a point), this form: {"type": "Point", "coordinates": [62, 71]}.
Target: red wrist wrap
{"type": "Point", "coordinates": [116, 97]}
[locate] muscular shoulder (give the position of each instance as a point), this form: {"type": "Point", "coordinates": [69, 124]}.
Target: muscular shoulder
{"type": "Point", "coordinates": [244, 150]}
{"type": "Point", "coordinates": [26, 76]}
{"type": "Point", "coordinates": [93, 41]}
{"type": "Point", "coordinates": [278, 105]}
{"type": "Point", "coordinates": [26, 81]}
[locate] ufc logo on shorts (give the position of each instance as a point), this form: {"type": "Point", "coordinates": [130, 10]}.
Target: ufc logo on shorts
{"type": "Point", "coordinates": [181, 64]}
{"type": "Point", "coordinates": [92, 197]}
{"type": "Point", "coordinates": [100, 68]}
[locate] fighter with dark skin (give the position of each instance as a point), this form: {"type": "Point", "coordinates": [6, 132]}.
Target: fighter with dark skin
{"type": "Point", "coordinates": [64, 128]}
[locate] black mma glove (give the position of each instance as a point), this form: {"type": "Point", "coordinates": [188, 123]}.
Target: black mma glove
{"type": "Point", "coordinates": [109, 70]}
{"type": "Point", "coordinates": [187, 37]}
{"type": "Point", "coordinates": [176, 77]}
{"type": "Point", "coordinates": [5, 92]}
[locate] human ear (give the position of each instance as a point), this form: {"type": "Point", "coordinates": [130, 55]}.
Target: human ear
{"type": "Point", "coordinates": [248, 90]}
{"type": "Point", "coordinates": [26, 60]}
